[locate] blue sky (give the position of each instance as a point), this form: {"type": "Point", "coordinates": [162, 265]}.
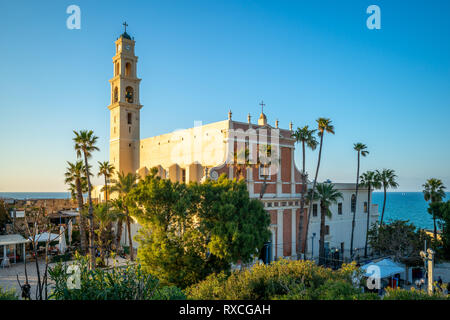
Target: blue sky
{"type": "Point", "coordinates": [387, 88]}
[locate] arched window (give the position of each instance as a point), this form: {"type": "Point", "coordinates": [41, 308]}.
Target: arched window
{"type": "Point", "coordinates": [129, 94]}
{"type": "Point", "coordinates": [128, 69]}
{"type": "Point", "coordinates": [116, 94]}
{"type": "Point", "coordinates": [116, 72]}
{"type": "Point", "coordinates": [353, 207]}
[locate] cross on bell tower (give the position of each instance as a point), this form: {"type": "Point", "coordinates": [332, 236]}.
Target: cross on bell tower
{"type": "Point", "coordinates": [125, 26]}
{"type": "Point", "coordinates": [262, 117]}
{"type": "Point", "coordinates": [262, 104]}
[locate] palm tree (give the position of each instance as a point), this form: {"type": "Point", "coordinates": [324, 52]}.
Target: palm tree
{"type": "Point", "coordinates": [387, 178]}
{"type": "Point", "coordinates": [106, 170]}
{"type": "Point", "coordinates": [119, 208]}
{"type": "Point", "coordinates": [307, 138]}
{"type": "Point", "coordinates": [84, 145]}
{"type": "Point", "coordinates": [360, 148]}
{"type": "Point", "coordinates": [369, 180]}
{"type": "Point", "coordinates": [105, 217]}
{"type": "Point", "coordinates": [76, 179]}
{"type": "Point", "coordinates": [324, 125]}
{"type": "Point", "coordinates": [123, 185]}
{"type": "Point", "coordinates": [326, 195]}
{"type": "Point", "coordinates": [434, 192]}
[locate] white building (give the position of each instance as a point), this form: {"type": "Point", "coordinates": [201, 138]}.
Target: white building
{"type": "Point", "coordinates": [339, 226]}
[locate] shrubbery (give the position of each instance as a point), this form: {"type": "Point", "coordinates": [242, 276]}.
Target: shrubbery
{"type": "Point", "coordinates": [119, 283]}
{"type": "Point", "coordinates": [298, 280]}
{"type": "Point", "coordinates": [413, 294]}
{"type": "Point", "coordinates": [8, 294]}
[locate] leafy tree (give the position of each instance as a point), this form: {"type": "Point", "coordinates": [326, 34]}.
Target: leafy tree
{"type": "Point", "coordinates": [123, 186]}
{"type": "Point", "coordinates": [307, 138]}
{"type": "Point", "coordinates": [399, 239]}
{"type": "Point", "coordinates": [75, 177]}
{"type": "Point", "coordinates": [387, 178]}
{"type": "Point", "coordinates": [326, 195]}
{"type": "Point", "coordinates": [361, 150]}
{"type": "Point", "coordinates": [85, 145]}
{"type": "Point", "coordinates": [433, 191]}
{"type": "Point", "coordinates": [191, 230]}
{"type": "Point", "coordinates": [370, 180]}
{"type": "Point", "coordinates": [323, 125]}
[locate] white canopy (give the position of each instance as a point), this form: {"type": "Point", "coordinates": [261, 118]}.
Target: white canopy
{"type": "Point", "coordinates": [12, 239]}
{"type": "Point", "coordinates": [386, 268]}
{"type": "Point", "coordinates": [43, 237]}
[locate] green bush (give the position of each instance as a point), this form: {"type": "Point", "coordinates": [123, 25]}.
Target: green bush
{"type": "Point", "coordinates": [169, 293]}
{"type": "Point", "coordinates": [129, 282]}
{"type": "Point", "coordinates": [412, 294]}
{"type": "Point", "coordinates": [61, 257]}
{"type": "Point", "coordinates": [8, 294]}
{"type": "Point", "coordinates": [299, 280]}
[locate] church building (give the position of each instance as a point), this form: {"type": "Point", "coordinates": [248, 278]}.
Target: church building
{"type": "Point", "coordinates": [261, 153]}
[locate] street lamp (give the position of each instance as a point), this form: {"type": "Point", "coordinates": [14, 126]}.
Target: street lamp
{"type": "Point", "coordinates": [428, 258]}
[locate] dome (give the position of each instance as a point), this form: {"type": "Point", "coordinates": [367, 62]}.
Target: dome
{"type": "Point", "coordinates": [125, 35]}
{"type": "Point", "coordinates": [262, 119]}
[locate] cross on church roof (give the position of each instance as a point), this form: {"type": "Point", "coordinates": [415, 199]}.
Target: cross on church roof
{"type": "Point", "coordinates": [262, 104]}
{"type": "Point", "coordinates": [125, 25]}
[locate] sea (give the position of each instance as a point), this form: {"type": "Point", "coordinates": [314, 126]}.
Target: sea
{"type": "Point", "coordinates": [406, 206]}
{"type": "Point", "coordinates": [399, 205]}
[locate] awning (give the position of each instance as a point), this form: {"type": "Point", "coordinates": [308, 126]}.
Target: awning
{"type": "Point", "coordinates": [65, 214]}
{"type": "Point", "coordinates": [12, 239]}
{"type": "Point", "coordinates": [384, 268]}
{"type": "Point", "coordinates": [43, 237]}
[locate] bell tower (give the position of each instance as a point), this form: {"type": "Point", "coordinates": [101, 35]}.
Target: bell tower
{"type": "Point", "coordinates": [124, 107]}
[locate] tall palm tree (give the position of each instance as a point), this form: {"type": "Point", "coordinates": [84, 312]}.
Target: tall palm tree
{"type": "Point", "coordinates": [370, 180]}
{"type": "Point", "coordinates": [307, 138]}
{"type": "Point", "coordinates": [434, 192]}
{"type": "Point", "coordinates": [323, 126]}
{"type": "Point", "coordinates": [106, 170]}
{"type": "Point", "coordinates": [387, 179]}
{"type": "Point", "coordinates": [326, 195]}
{"type": "Point", "coordinates": [123, 185]}
{"type": "Point", "coordinates": [361, 150]}
{"type": "Point", "coordinates": [76, 179]}
{"type": "Point", "coordinates": [85, 145]}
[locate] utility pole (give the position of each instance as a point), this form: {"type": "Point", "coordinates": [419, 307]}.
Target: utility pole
{"type": "Point", "coordinates": [428, 259]}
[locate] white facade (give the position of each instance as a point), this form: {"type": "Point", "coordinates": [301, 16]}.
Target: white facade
{"type": "Point", "coordinates": [340, 225]}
